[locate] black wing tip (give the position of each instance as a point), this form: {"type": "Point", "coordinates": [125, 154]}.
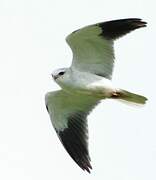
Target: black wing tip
{"type": "Point", "coordinates": [136, 22]}
{"type": "Point", "coordinates": [88, 169]}
{"type": "Point", "coordinates": [86, 166]}
{"type": "Point", "coordinates": [114, 29]}
{"type": "Point", "coordinates": [74, 139]}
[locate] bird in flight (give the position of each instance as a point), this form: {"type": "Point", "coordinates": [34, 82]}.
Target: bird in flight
{"type": "Point", "coordinates": [86, 82]}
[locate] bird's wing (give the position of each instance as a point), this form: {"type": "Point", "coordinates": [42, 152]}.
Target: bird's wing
{"type": "Point", "coordinates": [68, 114]}
{"type": "Point", "coordinates": [92, 46]}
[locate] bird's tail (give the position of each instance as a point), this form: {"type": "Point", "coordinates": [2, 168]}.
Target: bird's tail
{"type": "Point", "coordinates": [130, 97]}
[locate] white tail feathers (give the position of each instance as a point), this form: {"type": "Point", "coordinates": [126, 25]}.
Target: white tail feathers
{"type": "Point", "coordinates": [130, 97]}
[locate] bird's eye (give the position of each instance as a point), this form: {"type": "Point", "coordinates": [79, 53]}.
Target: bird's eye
{"type": "Point", "coordinates": [61, 73]}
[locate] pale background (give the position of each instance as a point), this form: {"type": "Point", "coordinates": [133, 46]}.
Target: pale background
{"type": "Point", "coordinates": [32, 45]}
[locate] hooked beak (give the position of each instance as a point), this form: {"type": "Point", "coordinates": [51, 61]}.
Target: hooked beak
{"type": "Point", "coordinates": [54, 77]}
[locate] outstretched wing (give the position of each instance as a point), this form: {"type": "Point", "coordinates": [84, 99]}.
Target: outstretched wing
{"type": "Point", "coordinates": [92, 46]}
{"type": "Point", "coordinates": [68, 114]}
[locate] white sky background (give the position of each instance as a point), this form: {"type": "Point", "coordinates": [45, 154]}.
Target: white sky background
{"type": "Point", "coordinates": [32, 45]}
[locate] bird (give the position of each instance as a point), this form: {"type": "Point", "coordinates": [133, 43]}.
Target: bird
{"type": "Point", "coordinates": [86, 83]}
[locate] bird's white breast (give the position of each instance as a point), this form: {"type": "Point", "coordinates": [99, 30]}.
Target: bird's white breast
{"type": "Point", "coordinates": [84, 82]}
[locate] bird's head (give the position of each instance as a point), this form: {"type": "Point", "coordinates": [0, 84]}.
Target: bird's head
{"type": "Point", "coordinates": [59, 73]}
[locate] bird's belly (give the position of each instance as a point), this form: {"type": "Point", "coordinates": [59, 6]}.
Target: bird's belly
{"type": "Point", "coordinates": [101, 88]}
